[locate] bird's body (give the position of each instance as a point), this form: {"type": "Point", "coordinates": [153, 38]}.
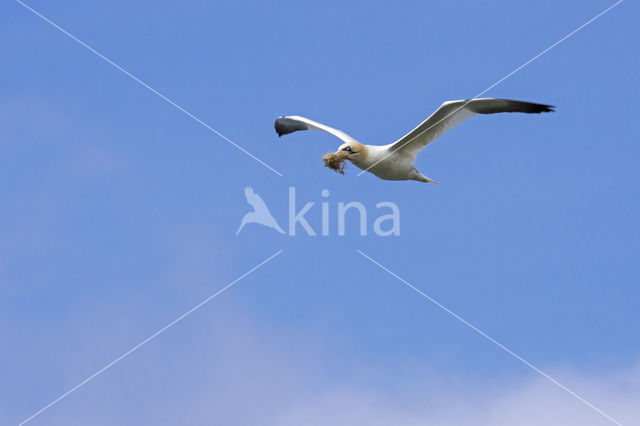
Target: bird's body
{"type": "Point", "coordinates": [379, 161]}
{"type": "Point", "coordinates": [396, 160]}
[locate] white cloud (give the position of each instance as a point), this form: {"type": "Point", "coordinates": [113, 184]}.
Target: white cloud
{"type": "Point", "coordinates": [222, 366]}
{"type": "Point", "coordinates": [532, 401]}
{"type": "Point", "coordinates": [219, 367]}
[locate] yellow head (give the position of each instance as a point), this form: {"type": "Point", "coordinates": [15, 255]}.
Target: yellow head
{"type": "Point", "coordinates": [355, 150]}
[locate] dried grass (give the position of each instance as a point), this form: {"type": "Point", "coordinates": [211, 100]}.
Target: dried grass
{"type": "Point", "coordinates": [336, 161]}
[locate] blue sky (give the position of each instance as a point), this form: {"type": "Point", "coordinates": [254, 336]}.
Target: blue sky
{"type": "Point", "coordinates": [120, 212]}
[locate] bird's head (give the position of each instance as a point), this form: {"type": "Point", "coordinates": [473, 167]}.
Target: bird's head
{"type": "Point", "coordinates": [356, 151]}
{"type": "Point", "coordinates": [352, 151]}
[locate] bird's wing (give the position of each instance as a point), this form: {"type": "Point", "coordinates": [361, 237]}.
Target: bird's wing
{"type": "Point", "coordinates": [452, 113]}
{"type": "Point", "coordinates": [293, 123]}
{"type": "Point", "coordinates": [254, 200]}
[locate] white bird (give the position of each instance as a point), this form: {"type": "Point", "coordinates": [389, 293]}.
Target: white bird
{"type": "Point", "coordinates": [260, 213]}
{"type": "Point", "coordinates": [396, 161]}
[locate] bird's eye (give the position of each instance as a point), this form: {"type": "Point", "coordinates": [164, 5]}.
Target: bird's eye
{"type": "Point", "coordinates": [348, 149]}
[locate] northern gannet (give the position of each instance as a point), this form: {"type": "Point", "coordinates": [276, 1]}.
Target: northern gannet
{"type": "Point", "coordinates": [396, 161]}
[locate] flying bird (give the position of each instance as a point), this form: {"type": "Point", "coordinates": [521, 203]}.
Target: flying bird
{"type": "Point", "coordinates": [396, 160]}
{"type": "Point", "coordinates": [260, 213]}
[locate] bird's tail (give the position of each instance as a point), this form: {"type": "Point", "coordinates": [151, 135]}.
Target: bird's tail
{"type": "Point", "coordinates": [423, 178]}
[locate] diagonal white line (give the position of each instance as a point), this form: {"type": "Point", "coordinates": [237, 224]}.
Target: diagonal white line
{"type": "Point", "coordinates": [136, 347]}
{"type": "Point", "coordinates": [494, 341]}
{"type": "Point", "coordinates": [145, 85]}
{"type": "Point", "coordinates": [499, 81]}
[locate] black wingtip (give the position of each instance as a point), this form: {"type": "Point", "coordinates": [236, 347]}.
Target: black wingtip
{"type": "Point", "coordinates": [532, 108]}
{"type": "Point", "coordinates": [276, 126]}
{"type": "Point", "coordinates": [284, 126]}
{"type": "Point", "coordinates": [493, 106]}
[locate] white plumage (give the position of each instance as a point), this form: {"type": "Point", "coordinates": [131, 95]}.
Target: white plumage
{"type": "Point", "coordinates": [396, 160]}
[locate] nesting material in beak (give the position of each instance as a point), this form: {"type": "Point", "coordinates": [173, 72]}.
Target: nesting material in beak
{"type": "Point", "coordinates": [336, 160]}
